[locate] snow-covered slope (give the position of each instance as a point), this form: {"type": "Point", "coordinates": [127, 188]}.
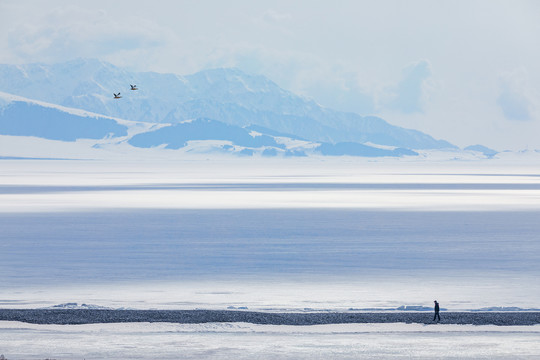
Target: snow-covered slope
{"type": "Point", "coordinates": [482, 149]}
{"type": "Point", "coordinates": [226, 95]}
{"type": "Point", "coordinates": [24, 117]}
{"type": "Point", "coordinates": [219, 136]}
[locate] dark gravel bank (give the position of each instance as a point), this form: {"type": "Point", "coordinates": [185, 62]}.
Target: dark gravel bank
{"type": "Point", "coordinates": [83, 316]}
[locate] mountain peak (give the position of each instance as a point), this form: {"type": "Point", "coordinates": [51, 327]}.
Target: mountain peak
{"type": "Point", "coordinates": [224, 94]}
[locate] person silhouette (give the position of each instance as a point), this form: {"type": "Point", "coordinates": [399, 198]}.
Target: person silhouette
{"type": "Point", "coordinates": [436, 311]}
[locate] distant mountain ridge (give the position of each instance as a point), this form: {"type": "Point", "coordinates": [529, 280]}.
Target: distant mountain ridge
{"type": "Point", "coordinates": [482, 149]}
{"type": "Point", "coordinates": [22, 117]}
{"type": "Point", "coordinates": [176, 136]}
{"type": "Point", "coordinates": [225, 95]}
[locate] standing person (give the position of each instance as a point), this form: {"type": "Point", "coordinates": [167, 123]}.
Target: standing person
{"type": "Point", "coordinates": [436, 311]}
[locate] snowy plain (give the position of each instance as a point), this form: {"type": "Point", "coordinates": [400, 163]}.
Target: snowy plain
{"type": "Point", "coordinates": [313, 234]}
{"type": "Point", "coordinates": [248, 341]}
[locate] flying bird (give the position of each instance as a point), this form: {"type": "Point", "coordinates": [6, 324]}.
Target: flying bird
{"type": "Point", "coordinates": [134, 87]}
{"type": "Point", "coordinates": [117, 96]}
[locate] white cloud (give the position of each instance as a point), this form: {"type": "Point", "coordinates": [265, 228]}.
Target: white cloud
{"type": "Point", "coordinates": [517, 97]}
{"type": "Point", "coordinates": [69, 32]}
{"type": "Point", "coordinates": [514, 105]}
{"type": "Point", "coordinates": [411, 92]}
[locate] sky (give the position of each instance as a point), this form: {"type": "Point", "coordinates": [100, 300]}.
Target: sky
{"type": "Point", "coordinates": [464, 71]}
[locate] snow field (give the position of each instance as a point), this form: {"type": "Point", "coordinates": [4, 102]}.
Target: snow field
{"type": "Point", "coordinates": [248, 341]}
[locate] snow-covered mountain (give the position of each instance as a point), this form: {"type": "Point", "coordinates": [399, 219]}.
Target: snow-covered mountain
{"type": "Point", "coordinates": [22, 117]}
{"type": "Point", "coordinates": [225, 95]}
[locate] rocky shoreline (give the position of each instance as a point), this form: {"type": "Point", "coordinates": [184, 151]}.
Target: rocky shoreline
{"type": "Point", "coordinates": [94, 316]}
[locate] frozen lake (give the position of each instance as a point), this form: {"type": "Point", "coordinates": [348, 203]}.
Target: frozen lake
{"type": "Point", "coordinates": [269, 235]}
